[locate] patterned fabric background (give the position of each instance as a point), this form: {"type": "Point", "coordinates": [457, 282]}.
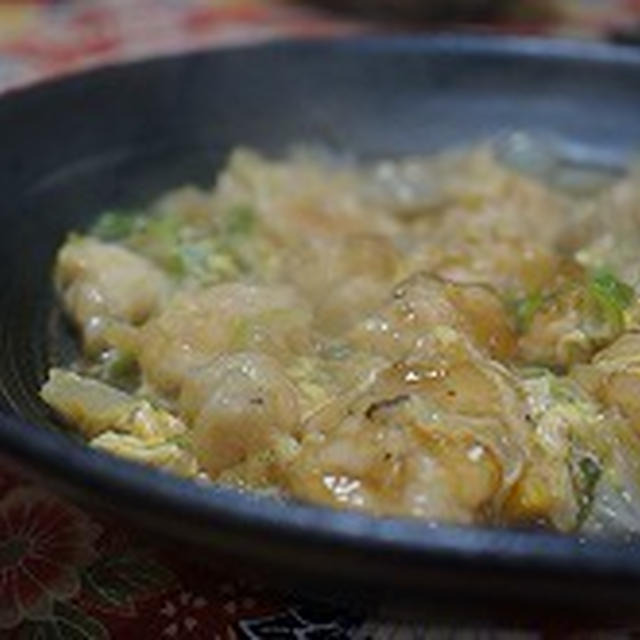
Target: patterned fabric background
{"type": "Point", "coordinates": [43, 37]}
{"type": "Point", "coordinates": [65, 573]}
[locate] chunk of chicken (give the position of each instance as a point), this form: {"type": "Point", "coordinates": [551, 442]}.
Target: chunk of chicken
{"type": "Point", "coordinates": [239, 405]}
{"type": "Point", "coordinates": [613, 376]}
{"type": "Point", "coordinates": [422, 303]}
{"type": "Point", "coordinates": [512, 266]}
{"type": "Point", "coordinates": [495, 227]}
{"type": "Point", "coordinates": [303, 198]}
{"type": "Point", "coordinates": [399, 465]}
{"type": "Point", "coordinates": [441, 436]}
{"type": "Point", "coordinates": [344, 305]}
{"type": "Point", "coordinates": [555, 335]}
{"type": "Point", "coordinates": [320, 264]}
{"type": "Point", "coordinates": [196, 326]}
{"type": "Point", "coordinates": [99, 280]}
{"type": "Point", "coordinates": [344, 278]}
{"type": "Point", "coordinates": [568, 328]}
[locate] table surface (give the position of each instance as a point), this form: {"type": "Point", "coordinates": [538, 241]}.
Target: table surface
{"type": "Point", "coordinates": [67, 573]}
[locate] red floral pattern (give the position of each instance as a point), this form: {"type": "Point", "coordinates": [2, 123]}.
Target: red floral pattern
{"type": "Point", "coordinates": [65, 573]}
{"type": "Point", "coordinates": [44, 543]}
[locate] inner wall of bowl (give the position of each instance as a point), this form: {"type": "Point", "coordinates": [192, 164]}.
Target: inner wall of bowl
{"type": "Point", "coordinates": [121, 137]}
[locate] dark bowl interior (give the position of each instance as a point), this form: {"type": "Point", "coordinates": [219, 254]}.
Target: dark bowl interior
{"type": "Point", "coordinates": [119, 136]}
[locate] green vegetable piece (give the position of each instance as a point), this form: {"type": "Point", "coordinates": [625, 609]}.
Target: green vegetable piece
{"type": "Point", "coordinates": [611, 296]}
{"type": "Point", "coordinates": [182, 440]}
{"type": "Point", "coordinates": [159, 241]}
{"type": "Point", "coordinates": [115, 225]}
{"type": "Point", "coordinates": [526, 308]}
{"type": "Point", "coordinates": [240, 221]}
{"type": "Point", "coordinates": [160, 237]}
{"type": "Point", "coordinates": [174, 264]}
{"type": "Point", "coordinates": [122, 368]}
{"type": "Point", "coordinates": [164, 228]}
{"type": "Point", "coordinates": [590, 474]}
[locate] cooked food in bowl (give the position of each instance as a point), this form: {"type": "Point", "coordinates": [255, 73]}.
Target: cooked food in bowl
{"type": "Point", "coordinates": [448, 337]}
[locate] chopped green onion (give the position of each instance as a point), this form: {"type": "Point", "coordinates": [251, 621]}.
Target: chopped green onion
{"type": "Point", "coordinates": [115, 225]}
{"type": "Point", "coordinates": [526, 308]}
{"type": "Point", "coordinates": [182, 440]}
{"type": "Point", "coordinates": [611, 296]}
{"type": "Point", "coordinates": [240, 221]}
{"type": "Point", "coordinates": [121, 368]}
{"type": "Point", "coordinates": [159, 241]}
{"type": "Point", "coordinates": [165, 229]}
{"type": "Point", "coordinates": [174, 264]}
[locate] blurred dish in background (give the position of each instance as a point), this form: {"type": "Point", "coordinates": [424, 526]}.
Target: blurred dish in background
{"type": "Point", "coordinates": [459, 10]}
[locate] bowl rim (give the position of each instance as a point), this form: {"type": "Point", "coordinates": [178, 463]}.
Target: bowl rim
{"type": "Point", "coordinates": [441, 42]}
{"type": "Point", "coordinates": [248, 517]}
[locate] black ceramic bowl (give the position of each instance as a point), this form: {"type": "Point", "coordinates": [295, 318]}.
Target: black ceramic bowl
{"type": "Point", "coordinates": [121, 135]}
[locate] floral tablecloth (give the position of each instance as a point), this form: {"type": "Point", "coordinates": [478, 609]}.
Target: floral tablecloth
{"type": "Point", "coordinates": [66, 573]}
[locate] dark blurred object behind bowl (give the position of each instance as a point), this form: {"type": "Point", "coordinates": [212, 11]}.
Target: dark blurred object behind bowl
{"type": "Point", "coordinates": [445, 10]}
